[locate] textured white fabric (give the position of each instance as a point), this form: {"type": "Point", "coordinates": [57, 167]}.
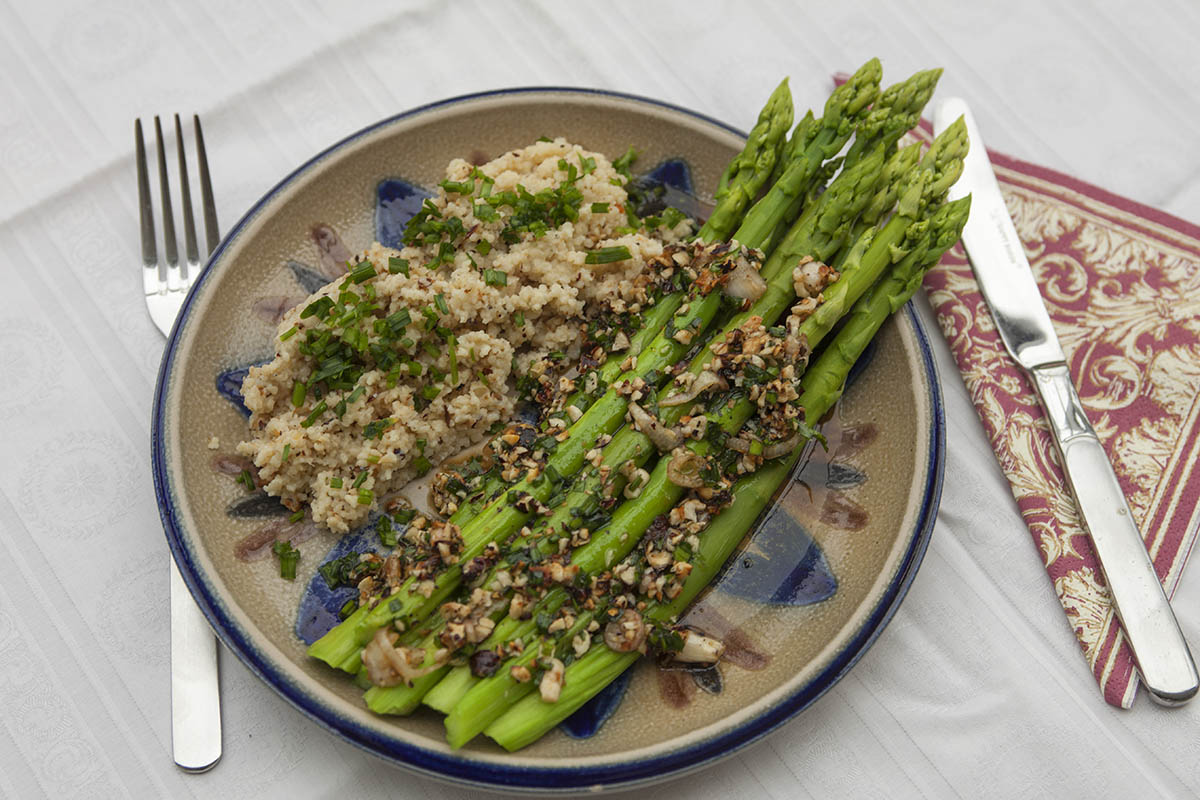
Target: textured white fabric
{"type": "Point", "coordinates": [977, 688]}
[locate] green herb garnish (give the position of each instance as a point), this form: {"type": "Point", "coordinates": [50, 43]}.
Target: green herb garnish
{"type": "Point", "coordinates": [288, 558]}
{"type": "Point", "coordinates": [375, 428]}
{"type": "Point", "coordinates": [608, 255]}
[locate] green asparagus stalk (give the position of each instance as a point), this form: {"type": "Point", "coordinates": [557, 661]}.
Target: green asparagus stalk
{"type": "Point", "coordinates": [752, 167]}
{"type": "Point", "coordinates": [811, 144]}
{"type": "Point", "coordinates": [530, 718]}
{"type": "Point", "coordinates": [895, 113]}
{"type": "Point", "coordinates": [885, 298]}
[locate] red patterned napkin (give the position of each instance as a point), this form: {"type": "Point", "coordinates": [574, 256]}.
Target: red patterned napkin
{"type": "Point", "coordinates": [1122, 284]}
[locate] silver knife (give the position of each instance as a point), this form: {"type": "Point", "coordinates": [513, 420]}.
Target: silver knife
{"type": "Point", "coordinates": [1006, 279]}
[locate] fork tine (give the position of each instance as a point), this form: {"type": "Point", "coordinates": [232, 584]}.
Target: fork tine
{"type": "Point", "coordinates": [150, 277]}
{"type": "Point", "coordinates": [211, 232]}
{"type": "Point", "coordinates": [189, 221]}
{"type": "Point", "coordinates": [170, 241]}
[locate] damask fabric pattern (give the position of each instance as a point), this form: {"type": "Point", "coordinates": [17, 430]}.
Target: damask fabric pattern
{"type": "Point", "coordinates": [1122, 285]}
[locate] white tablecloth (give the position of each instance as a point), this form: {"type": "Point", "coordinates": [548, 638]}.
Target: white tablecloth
{"type": "Point", "coordinates": [976, 689]}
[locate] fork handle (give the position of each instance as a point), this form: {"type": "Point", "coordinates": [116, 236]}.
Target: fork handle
{"type": "Point", "coordinates": [195, 692]}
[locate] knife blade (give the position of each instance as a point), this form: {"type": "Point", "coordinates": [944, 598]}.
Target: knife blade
{"type": "Point", "coordinates": [1006, 279]}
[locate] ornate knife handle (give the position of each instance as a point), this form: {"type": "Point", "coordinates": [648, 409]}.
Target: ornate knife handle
{"type": "Point", "coordinates": [1162, 654]}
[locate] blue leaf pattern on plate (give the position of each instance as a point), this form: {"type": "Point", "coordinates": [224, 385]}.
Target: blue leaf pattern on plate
{"type": "Point", "coordinates": [229, 386]}
{"type": "Point", "coordinates": [320, 605]}
{"type": "Point", "coordinates": [781, 565]}
{"type": "Point", "coordinates": [669, 184]}
{"type": "Point", "coordinates": [396, 202]}
{"type": "Point", "coordinates": [310, 280]}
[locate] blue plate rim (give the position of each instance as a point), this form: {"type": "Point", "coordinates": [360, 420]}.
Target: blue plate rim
{"type": "Point", "coordinates": [519, 777]}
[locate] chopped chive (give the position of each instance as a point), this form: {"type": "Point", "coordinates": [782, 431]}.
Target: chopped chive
{"type": "Point", "coordinates": [484, 247]}
{"type": "Point", "coordinates": [387, 534]}
{"type": "Point", "coordinates": [299, 515]}
{"type": "Point", "coordinates": [396, 323]}
{"type": "Point", "coordinates": [362, 476]}
{"type": "Point", "coordinates": [456, 187]}
{"type": "Point", "coordinates": [287, 451]}
{"type": "Point", "coordinates": [672, 216]}
{"type": "Point", "coordinates": [317, 411]}
{"type": "Point", "coordinates": [375, 428]}
{"type": "Point", "coordinates": [430, 392]}
{"type": "Point", "coordinates": [319, 308]}
{"type": "Point", "coordinates": [299, 392]}
{"type": "Point", "coordinates": [519, 318]}
{"type": "Point", "coordinates": [398, 265]}
{"type": "Point", "coordinates": [289, 333]}
{"type": "Point", "coordinates": [599, 208]}
{"type": "Point", "coordinates": [623, 163]}
{"type": "Point", "coordinates": [246, 479]}
{"type": "Point", "coordinates": [365, 496]}
{"type": "Point", "coordinates": [440, 301]}
{"type": "Point", "coordinates": [608, 255]}
{"type": "Point", "coordinates": [363, 271]}
{"type": "Point", "coordinates": [288, 558]}
{"type": "Point", "coordinates": [452, 343]}
{"type": "Point", "coordinates": [335, 483]}
{"type": "Point", "coordinates": [422, 465]}
{"type": "Point", "coordinates": [498, 277]}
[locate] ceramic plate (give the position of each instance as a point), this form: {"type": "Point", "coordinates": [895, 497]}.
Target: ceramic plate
{"type": "Point", "coordinates": [810, 591]}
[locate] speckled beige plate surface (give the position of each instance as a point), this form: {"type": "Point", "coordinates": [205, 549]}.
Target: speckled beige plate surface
{"type": "Point", "coordinates": [870, 529]}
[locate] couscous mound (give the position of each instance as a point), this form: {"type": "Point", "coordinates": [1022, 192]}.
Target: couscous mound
{"type": "Point", "coordinates": [415, 354]}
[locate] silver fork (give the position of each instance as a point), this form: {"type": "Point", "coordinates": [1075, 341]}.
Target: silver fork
{"type": "Point", "coordinates": [195, 690]}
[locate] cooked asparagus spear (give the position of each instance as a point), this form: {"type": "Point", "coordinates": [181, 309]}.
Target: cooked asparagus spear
{"type": "Point", "coordinates": [750, 169]}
